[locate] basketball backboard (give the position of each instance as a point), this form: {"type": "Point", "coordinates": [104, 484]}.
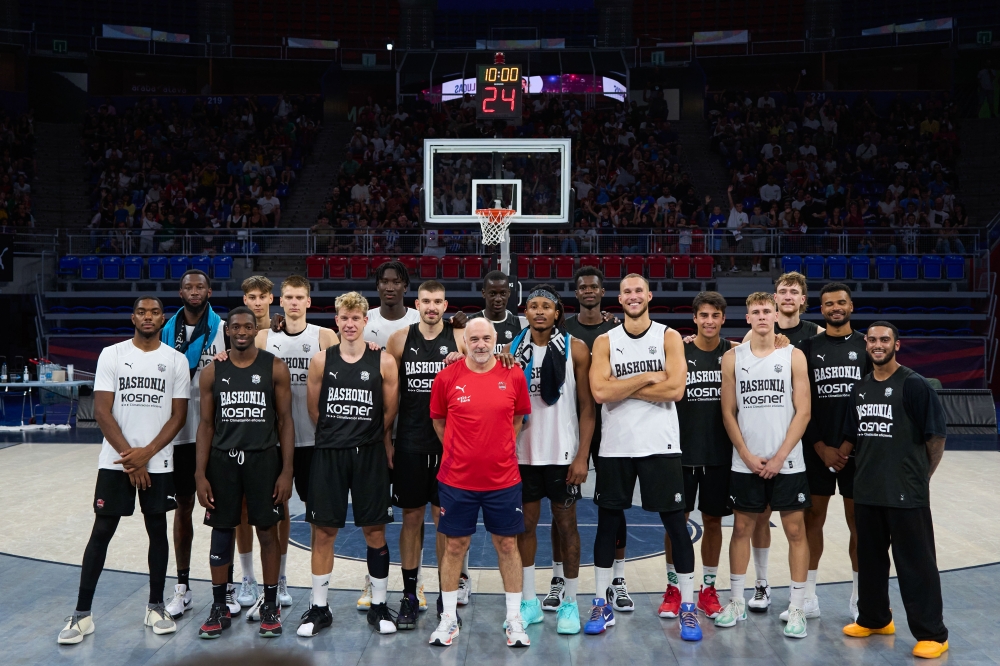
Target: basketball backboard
{"type": "Point", "coordinates": [532, 176]}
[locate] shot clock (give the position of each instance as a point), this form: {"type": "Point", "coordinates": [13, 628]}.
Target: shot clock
{"type": "Point", "coordinates": [498, 92]}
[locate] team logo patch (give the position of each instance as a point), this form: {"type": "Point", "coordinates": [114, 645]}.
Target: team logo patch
{"type": "Point", "coordinates": [364, 375]}
{"type": "Point", "coordinates": [443, 350]}
{"type": "Point", "coordinates": [161, 367]}
{"type": "Point", "coordinates": [852, 355]}
{"type": "Point", "coordinates": [888, 392]}
{"type": "Point", "coordinates": [501, 386]}
{"type": "Point", "coordinates": [390, 512]}
{"type": "Point", "coordinates": [677, 497]}
{"type": "Point", "coordinates": [255, 379]}
{"type": "Point", "coordinates": [802, 498]}
{"type": "Point", "coordinates": [777, 368]}
{"type": "Point", "coordinates": [306, 347]}
{"type": "Point", "coordinates": [100, 504]}
{"type": "Point", "coordinates": [720, 360]}
{"type": "Point", "coordinates": [652, 350]}
{"type": "Point", "coordinates": [508, 334]}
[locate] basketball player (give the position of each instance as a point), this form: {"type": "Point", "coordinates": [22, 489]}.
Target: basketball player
{"type": "Point", "coordinates": [837, 359]}
{"type": "Point", "coordinates": [765, 407]}
{"type": "Point", "coordinates": [478, 407]}
{"type": "Point", "coordinates": [353, 394]}
{"type": "Point", "coordinates": [496, 294]}
{"type": "Point", "coordinates": [246, 409]}
{"type": "Point", "coordinates": [391, 281]}
{"type": "Point", "coordinates": [197, 332]}
{"type": "Point", "coordinates": [141, 391]}
{"type": "Point", "coordinates": [419, 351]}
{"type": "Point", "coordinates": [553, 447]}
{"type": "Point", "coordinates": [898, 425]}
{"type": "Point", "coordinates": [258, 294]}
{"type": "Point", "coordinates": [637, 374]}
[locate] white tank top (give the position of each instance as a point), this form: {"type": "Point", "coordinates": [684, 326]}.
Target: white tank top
{"type": "Point", "coordinates": [764, 406]}
{"type": "Point", "coordinates": [296, 351]}
{"type": "Point", "coordinates": [552, 434]}
{"type": "Point", "coordinates": [634, 428]}
{"type": "Point", "coordinates": [188, 433]}
{"type": "Point", "coordinates": [378, 329]}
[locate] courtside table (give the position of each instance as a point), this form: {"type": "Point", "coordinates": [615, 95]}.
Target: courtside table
{"type": "Point", "coordinates": [26, 388]}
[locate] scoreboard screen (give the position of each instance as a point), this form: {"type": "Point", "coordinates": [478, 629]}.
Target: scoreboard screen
{"type": "Point", "coordinates": [498, 92]}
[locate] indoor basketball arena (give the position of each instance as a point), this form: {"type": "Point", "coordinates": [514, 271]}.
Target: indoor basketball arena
{"type": "Point", "coordinates": [467, 333]}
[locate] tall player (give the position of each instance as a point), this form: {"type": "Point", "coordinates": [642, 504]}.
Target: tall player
{"type": "Point", "coordinates": [353, 394]}
{"type": "Point", "coordinates": [246, 410]}
{"type": "Point", "coordinates": [637, 374]}
{"type": "Point", "coordinates": [197, 332]}
{"type": "Point", "coordinates": [258, 294]}
{"type": "Point", "coordinates": [141, 390]}
{"type": "Point", "coordinates": [496, 294]}
{"type": "Point", "coordinates": [553, 447]}
{"type": "Point", "coordinates": [765, 407]}
{"type": "Point", "coordinates": [837, 359]}
{"type": "Point", "coordinates": [415, 457]}
{"type": "Point", "coordinates": [391, 281]}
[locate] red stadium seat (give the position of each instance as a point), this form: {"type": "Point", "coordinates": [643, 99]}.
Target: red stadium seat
{"type": "Point", "coordinates": [410, 261]}
{"type": "Point", "coordinates": [565, 267]}
{"type": "Point", "coordinates": [657, 267]}
{"type": "Point", "coordinates": [612, 267]}
{"type": "Point", "coordinates": [682, 267]}
{"type": "Point", "coordinates": [360, 266]}
{"type": "Point", "coordinates": [338, 267]}
{"type": "Point", "coordinates": [451, 268]}
{"type": "Point", "coordinates": [523, 267]}
{"type": "Point", "coordinates": [429, 268]}
{"type": "Point", "coordinates": [472, 267]}
{"type": "Point", "coordinates": [703, 267]}
{"type": "Point", "coordinates": [316, 267]}
{"type": "Point", "coordinates": [590, 260]}
{"type": "Point", "coordinates": [635, 264]}
{"type": "Point", "coordinates": [379, 260]}
{"type": "Point", "coordinates": [543, 268]}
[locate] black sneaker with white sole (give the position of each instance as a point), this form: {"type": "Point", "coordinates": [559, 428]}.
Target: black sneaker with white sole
{"type": "Point", "coordinates": [382, 619]}
{"type": "Point", "coordinates": [557, 592]}
{"type": "Point", "coordinates": [314, 619]}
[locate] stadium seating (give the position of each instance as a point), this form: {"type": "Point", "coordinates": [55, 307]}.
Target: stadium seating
{"type": "Point", "coordinates": [338, 267]}
{"type": "Point", "coordinates": [635, 264]}
{"type": "Point", "coordinates": [836, 267]}
{"type": "Point", "coordinates": [703, 267]}
{"type": "Point", "coordinates": [178, 266]}
{"type": "Point", "coordinates": [815, 267]}
{"type": "Point", "coordinates": [360, 267]}
{"type": "Point", "coordinates": [954, 267]}
{"type": "Point", "coordinates": [222, 268]}
{"type": "Point", "coordinates": [657, 264]}
{"type": "Point", "coordinates": [885, 267]}
{"type": "Point", "coordinates": [565, 267]}
{"type": "Point", "coordinates": [202, 263]}
{"type": "Point", "coordinates": [158, 268]}
{"type": "Point", "coordinates": [472, 267]}
{"type": "Point", "coordinates": [316, 267]}
{"type": "Point", "coordinates": [932, 266]}
{"type": "Point", "coordinates": [68, 267]}
{"type": "Point", "coordinates": [133, 267]}
{"type": "Point", "coordinates": [451, 267]}
{"type": "Point", "coordinates": [429, 267]}
{"type": "Point", "coordinates": [681, 267]}
{"type": "Point", "coordinates": [90, 267]}
{"type": "Point", "coordinates": [543, 267]}
{"type": "Point", "coordinates": [613, 267]}
{"type": "Point", "coordinates": [111, 268]}
{"type": "Point", "coordinates": [791, 263]}
{"type": "Point", "coordinates": [909, 267]}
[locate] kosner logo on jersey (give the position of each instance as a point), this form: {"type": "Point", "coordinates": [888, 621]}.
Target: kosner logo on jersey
{"type": "Point", "coordinates": [711, 377]}
{"type": "Point", "coordinates": [300, 363]}
{"type": "Point", "coordinates": [414, 368]}
{"type": "Point", "coordinates": [629, 368]}
{"type": "Point", "coordinates": [762, 391]}
{"type": "Point", "coordinates": [824, 387]}
{"type": "Point", "coordinates": [348, 402]}
{"type": "Point", "coordinates": [145, 383]}
{"type": "Point", "coordinates": [867, 423]}
{"type": "Point", "coordinates": [241, 405]}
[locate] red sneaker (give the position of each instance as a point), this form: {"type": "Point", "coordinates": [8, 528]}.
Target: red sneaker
{"type": "Point", "coordinates": [708, 601]}
{"type": "Point", "coordinates": [671, 606]}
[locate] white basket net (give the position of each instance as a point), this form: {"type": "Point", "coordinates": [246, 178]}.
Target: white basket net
{"type": "Point", "coordinates": [494, 223]}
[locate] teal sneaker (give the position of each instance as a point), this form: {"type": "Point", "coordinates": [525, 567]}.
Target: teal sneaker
{"type": "Point", "coordinates": [796, 626]}
{"type": "Point", "coordinates": [568, 618]}
{"type": "Point", "coordinates": [531, 611]}
{"type": "Point", "coordinates": [735, 611]}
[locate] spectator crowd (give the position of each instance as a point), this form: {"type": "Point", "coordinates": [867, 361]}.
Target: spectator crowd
{"type": "Point", "coordinates": [17, 171]}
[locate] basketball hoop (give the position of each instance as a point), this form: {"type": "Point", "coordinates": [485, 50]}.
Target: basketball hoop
{"type": "Point", "coordinates": [494, 223]}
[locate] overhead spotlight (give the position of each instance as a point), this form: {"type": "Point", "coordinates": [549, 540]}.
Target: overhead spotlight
{"type": "Point", "coordinates": [388, 46]}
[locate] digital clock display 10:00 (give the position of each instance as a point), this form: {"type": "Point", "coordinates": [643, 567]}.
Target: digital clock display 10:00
{"type": "Point", "coordinates": [498, 92]}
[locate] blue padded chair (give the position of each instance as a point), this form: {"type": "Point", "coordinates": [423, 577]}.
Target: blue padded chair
{"type": "Point", "coordinates": [791, 263]}
{"type": "Point", "coordinates": [222, 268]}
{"type": "Point", "coordinates": [909, 267]}
{"type": "Point", "coordinates": [940, 332]}
{"type": "Point", "coordinates": [861, 267]}
{"type": "Point", "coordinates": [913, 332]}
{"type": "Point", "coordinates": [931, 265]}
{"type": "Point", "coordinates": [124, 330]}
{"type": "Point", "coordinates": [179, 266]}
{"type": "Point", "coordinates": [815, 267]}
{"type": "Point", "coordinates": [103, 309]}
{"type": "Point", "coordinates": [133, 267]}
{"type": "Point", "coordinates": [963, 309]}
{"type": "Point", "coordinates": [866, 309]}
{"type": "Point", "coordinates": [111, 268]}
{"type": "Point", "coordinates": [90, 267]}
{"type": "Point", "coordinates": [954, 267]}
{"type": "Point", "coordinates": [885, 267]}
{"type": "Point", "coordinates": [963, 331]}
{"type": "Point", "coordinates": [836, 267]}
{"type": "Point", "coordinates": [69, 266]}
{"type": "Point", "coordinates": [158, 268]}
{"type": "Point", "coordinates": [202, 263]}
{"type": "Point", "coordinates": [916, 309]}
{"type": "Point", "coordinates": [892, 309]}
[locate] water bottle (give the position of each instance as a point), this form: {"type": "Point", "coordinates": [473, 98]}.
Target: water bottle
{"type": "Point", "coordinates": [3, 370]}
{"type": "Point", "coordinates": [26, 377]}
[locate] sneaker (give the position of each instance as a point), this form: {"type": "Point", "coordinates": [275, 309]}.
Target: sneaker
{"type": "Point", "coordinates": [284, 599]}
{"type": "Point", "coordinates": [568, 618]}
{"type": "Point", "coordinates": [811, 608]}
{"type": "Point", "coordinates": [690, 629]}
{"type": "Point", "coordinates": [407, 617]}
{"type": "Point", "coordinates": [253, 613]}
{"type": "Point", "coordinates": [249, 591]}
{"type": "Point", "coordinates": [270, 620]}
{"type": "Point", "coordinates": [365, 600]}
{"type": "Point", "coordinates": [314, 619]}
{"type": "Point", "coordinates": [671, 606]}
{"type": "Point", "coordinates": [554, 599]}
{"type": "Point", "coordinates": [464, 590]}
{"type": "Point", "coordinates": [852, 607]}
{"type": "Point", "coordinates": [380, 617]}
{"type": "Point", "coordinates": [761, 597]}
{"type": "Point", "coordinates": [157, 618]}
{"type": "Point", "coordinates": [734, 269]}
{"type": "Point", "coordinates": [602, 616]}
{"type": "Point", "coordinates": [531, 611]}
{"type": "Point", "coordinates": [617, 594]}
{"type": "Point", "coordinates": [218, 619]}
{"type": "Point", "coordinates": [421, 599]}
{"type": "Point", "coordinates": [855, 630]}
{"type": "Point", "coordinates": [929, 649]}
{"type": "Point", "coordinates": [446, 632]}
{"type": "Point", "coordinates": [796, 626]}
{"type": "Point", "coordinates": [233, 605]}
{"type": "Point", "coordinates": [516, 636]}
{"type": "Point", "coordinates": [735, 611]}
{"type": "Point", "coordinates": [77, 626]}
{"type": "Point", "coordinates": [708, 601]}
{"type": "Point", "coordinates": [440, 611]}
{"type": "Point", "coordinates": [181, 602]}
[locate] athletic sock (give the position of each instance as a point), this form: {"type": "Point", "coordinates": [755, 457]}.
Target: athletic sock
{"type": "Point", "coordinates": [671, 574]}
{"type": "Point", "coordinates": [798, 594]}
{"type": "Point", "coordinates": [246, 565]}
{"type": "Point", "coordinates": [410, 581]}
{"type": "Point", "coordinates": [513, 604]}
{"type": "Point", "coordinates": [378, 572]}
{"type": "Point", "coordinates": [85, 600]}
{"type": "Point", "coordinates": [737, 584]}
{"type": "Point", "coordinates": [528, 583]}
{"type": "Point", "coordinates": [321, 585]}
{"type": "Point", "coordinates": [760, 562]}
{"type": "Point", "coordinates": [618, 569]}
{"type": "Point", "coordinates": [811, 583]}
{"type": "Point", "coordinates": [571, 589]}
{"type": "Point", "coordinates": [449, 602]}
{"type": "Point", "coordinates": [281, 571]}
{"type": "Point", "coordinates": [465, 565]}
{"type": "Point", "coordinates": [270, 594]}
{"type": "Point", "coordinates": [379, 587]}
{"type": "Point", "coordinates": [685, 581]}
{"type": "Point", "coordinates": [420, 566]}
{"type": "Point", "coordinates": [219, 593]}
{"type": "Point", "coordinates": [708, 575]}
{"type": "Point", "coordinates": [182, 576]}
{"type": "Point", "coordinates": [557, 570]}
{"type": "Point", "coordinates": [854, 586]}
{"type": "Point", "coordinates": [602, 578]}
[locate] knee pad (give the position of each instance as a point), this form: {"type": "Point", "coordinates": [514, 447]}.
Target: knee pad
{"type": "Point", "coordinates": [223, 542]}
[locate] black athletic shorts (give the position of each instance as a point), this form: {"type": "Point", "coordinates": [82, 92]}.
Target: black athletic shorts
{"type": "Point", "coordinates": [538, 481]}
{"type": "Point", "coordinates": [185, 458]}
{"type": "Point", "coordinates": [236, 474]}
{"type": "Point", "coordinates": [364, 473]}
{"type": "Point", "coordinates": [301, 468]}
{"type": "Point", "coordinates": [824, 482]}
{"type": "Point", "coordinates": [114, 494]}
{"type": "Point", "coordinates": [661, 482]}
{"type": "Point", "coordinates": [750, 493]}
{"type": "Point", "coordinates": [414, 479]}
{"type": "Point", "coordinates": [711, 486]}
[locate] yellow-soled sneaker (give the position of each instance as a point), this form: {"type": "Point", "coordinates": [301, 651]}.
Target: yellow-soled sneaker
{"type": "Point", "coordinates": [857, 631]}
{"type": "Point", "coordinates": [929, 649]}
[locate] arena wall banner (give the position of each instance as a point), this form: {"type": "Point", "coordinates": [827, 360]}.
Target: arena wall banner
{"type": "Point", "coordinates": [959, 363]}
{"type": "Point", "coordinates": [126, 32]}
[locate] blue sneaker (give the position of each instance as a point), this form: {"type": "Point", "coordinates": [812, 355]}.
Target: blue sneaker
{"type": "Point", "coordinates": [602, 616]}
{"type": "Point", "coordinates": [531, 611]}
{"type": "Point", "coordinates": [690, 629]}
{"type": "Point", "coordinates": [568, 618]}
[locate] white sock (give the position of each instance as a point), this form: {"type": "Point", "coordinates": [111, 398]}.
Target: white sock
{"type": "Point", "coordinates": [557, 570]}
{"type": "Point", "coordinates": [420, 568]}
{"type": "Point", "coordinates": [602, 578]}
{"type": "Point", "coordinates": [685, 581]}
{"type": "Point", "coordinates": [572, 587]}
{"type": "Point", "coordinates": [379, 587]}
{"type": "Point", "coordinates": [798, 594]}
{"type": "Point", "coordinates": [760, 562]}
{"type": "Point", "coordinates": [708, 575]}
{"type": "Point", "coordinates": [281, 571]}
{"type": "Point", "coordinates": [465, 565]}
{"type": "Point", "coordinates": [618, 570]}
{"type": "Point", "coordinates": [811, 583]}
{"type": "Point", "coordinates": [246, 565]}
{"type": "Point", "coordinates": [737, 585]}
{"type": "Point", "coordinates": [671, 575]}
{"type": "Point", "coordinates": [449, 603]}
{"type": "Point", "coordinates": [528, 583]}
{"type": "Point", "coordinates": [513, 604]}
{"type": "Point", "coordinates": [854, 585]}
{"type": "Point", "coordinates": [321, 585]}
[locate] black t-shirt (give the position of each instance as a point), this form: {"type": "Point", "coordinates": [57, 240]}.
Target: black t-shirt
{"type": "Point", "coordinates": [244, 405]}
{"type": "Point", "coordinates": [351, 410]}
{"type": "Point", "coordinates": [506, 329]}
{"type": "Point", "coordinates": [704, 440]}
{"type": "Point", "coordinates": [587, 332]}
{"type": "Point", "coordinates": [835, 363]}
{"type": "Point", "coordinates": [801, 331]}
{"type": "Point", "coordinates": [889, 424]}
{"type": "Point", "coordinates": [422, 360]}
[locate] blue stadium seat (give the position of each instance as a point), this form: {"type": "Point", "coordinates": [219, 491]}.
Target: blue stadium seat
{"type": "Point", "coordinates": [232, 247]}
{"type": "Point", "coordinates": [790, 263]}
{"type": "Point", "coordinates": [815, 268]}
{"type": "Point", "coordinates": [80, 330]}
{"type": "Point", "coordinates": [916, 309]}
{"type": "Point", "coordinates": [58, 330]}
{"type": "Point", "coordinates": [222, 268]}
{"type": "Point", "coordinates": [893, 309]}
{"type": "Point", "coordinates": [54, 309]}
{"type": "Point", "coordinates": [836, 267]}
{"type": "Point", "coordinates": [178, 266]}
{"type": "Point", "coordinates": [103, 309]}
{"type": "Point", "coordinates": [103, 330]}
{"type": "Point", "coordinates": [171, 310]}
{"type": "Point", "coordinates": [158, 268]}
{"type": "Point", "coordinates": [866, 309]}
{"type": "Point", "coordinates": [123, 309]}
{"type": "Point", "coordinates": [124, 330]}
{"type": "Point", "coordinates": [939, 332]}
{"type": "Point", "coordinates": [963, 309]}
{"type": "Point", "coordinates": [909, 267]}
{"type": "Point", "coordinates": [954, 267]}
{"type": "Point", "coordinates": [111, 268]}
{"type": "Point", "coordinates": [931, 265]}
{"type": "Point", "coordinates": [90, 268]}
{"type": "Point", "coordinates": [69, 266]}
{"type": "Point", "coordinates": [253, 248]}
{"type": "Point", "coordinates": [941, 310]}
{"type": "Point", "coordinates": [913, 332]}
{"type": "Point", "coordinates": [202, 263]}
{"type": "Point", "coordinates": [963, 331]}
{"type": "Point", "coordinates": [133, 267]}
{"type": "Point", "coordinates": [861, 267]}
{"type": "Point", "coordinates": [220, 310]}
{"type": "Point", "coordinates": [885, 267]}
{"type": "Point", "coordinates": [81, 309]}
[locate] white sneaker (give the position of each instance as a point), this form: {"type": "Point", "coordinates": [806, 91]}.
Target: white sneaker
{"type": "Point", "coordinates": [446, 632]}
{"type": "Point", "coordinates": [365, 600]}
{"type": "Point", "coordinates": [464, 590]}
{"type": "Point", "coordinates": [810, 608]}
{"type": "Point", "coordinates": [76, 628]}
{"type": "Point", "coordinates": [796, 627]}
{"type": "Point", "coordinates": [157, 618]}
{"type": "Point", "coordinates": [249, 591]}
{"type": "Point", "coordinates": [516, 635]}
{"type": "Point", "coordinates": [761, 597]}
{"type": "Point", "coordinates": [253, 613]}
{"type": "Point", "coordinates": [181, 602]}
{"type": "Point", "coordinates": [852, 607]}
{"type": "Point", "coordinates": [234, 606]}
{"type": "Point", "coordinates": [284, 599]}
{"type": "Point", "coordinates": [617, 594]}
{"type": "Point", "coordinates": [557, 592]}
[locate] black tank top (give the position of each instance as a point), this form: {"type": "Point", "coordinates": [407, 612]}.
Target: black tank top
{"type": "Point", "coordinates": [506, 330]}
{"type": "Point", "coordinates": [244, 405]}
{"type": "Point", "coordinates": [835, 365]}
{"type": "Point", "coordinates": [798, 333]}
{"type": "Point", "coordinates": [351, 412]}
{"type": "Point", "coordinates": [703, 434]}
{"type": "Point", "coordinates": [422, 360]}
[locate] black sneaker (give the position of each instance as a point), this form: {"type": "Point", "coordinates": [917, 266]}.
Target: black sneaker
{"type": "Point", "coordinates": [270, 620]}
{"type": "Point", "coordinates": [440, 610]}
{"type": "Point", "coordinates": [218, 619]}
{"type": "Point", "coordinates": [407, 618]}
{"type": "Point", "coordinates": [380, 617]}
{"type": "Point", "coordinates": [314, 619]}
